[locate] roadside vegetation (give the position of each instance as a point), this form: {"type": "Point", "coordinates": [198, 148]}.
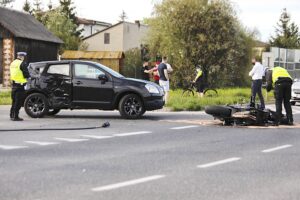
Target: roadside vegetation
{"type": "Point", "coordinates": [225, 96]}
{"type": "Point", "coordinates": [5, 98]}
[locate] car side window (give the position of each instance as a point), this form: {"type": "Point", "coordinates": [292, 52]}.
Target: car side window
{"type": "Point", "coordinates": [60, 69]}
{"type": "Point", "coordinates": [86, 71]}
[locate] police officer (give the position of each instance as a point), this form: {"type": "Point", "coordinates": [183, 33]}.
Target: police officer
{"type": "Point", "coordinates": [282, 82]}
{"type": "Point", "coordinates": [18, 75]}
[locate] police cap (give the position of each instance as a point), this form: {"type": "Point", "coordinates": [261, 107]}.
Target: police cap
{"type": "Point", "coordinates": [22, 54]}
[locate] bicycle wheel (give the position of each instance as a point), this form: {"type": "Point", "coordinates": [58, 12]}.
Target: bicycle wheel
{"type": "Point", "coordinates": [210, 93]}
{"type": "Point", "coordinates": [188, 93]}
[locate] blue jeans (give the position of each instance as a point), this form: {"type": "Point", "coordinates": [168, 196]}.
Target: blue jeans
{"type": "Point", "coordinates": [256, 89]}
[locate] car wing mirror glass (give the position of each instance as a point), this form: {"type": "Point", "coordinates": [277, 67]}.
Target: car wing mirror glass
{"type": "Point", "coordinates": [103, 78]}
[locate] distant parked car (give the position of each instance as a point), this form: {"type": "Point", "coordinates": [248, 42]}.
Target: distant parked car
{"type": "Point", "coordinates": [295, 92]}
{"type": "Point", "coordinates": [57, 85]}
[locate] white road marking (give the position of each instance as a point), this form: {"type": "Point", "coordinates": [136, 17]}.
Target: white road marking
{"type": "Point", "coordinates": [132, 133]}
{"type": "Point", "coordinates": [277, 148]}
{"type": "Point", "coordinates": [71, 139]}
{"type": "Point", "coordinates": [97, 136]}
{"type": "Point", "coordinates": [7, 147]}
{"type": "Point", "coordinates": [183, 127]}
{"type": "Point", "coordinates": [127, 183]}
{"type": "Point", "coordinates": [219, 162]}
{"type": "Point", "coordinates": [41, 143]}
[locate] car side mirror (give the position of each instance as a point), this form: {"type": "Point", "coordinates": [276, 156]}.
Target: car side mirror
{"type": "Point", "coordinates": [103, 78]}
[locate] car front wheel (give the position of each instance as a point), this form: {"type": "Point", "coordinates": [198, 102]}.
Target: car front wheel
{"type": "Point", "coordinates": [52, 112]}
{"type": "Point", "coordinates": [131, 106]}
{"type": "Point", "coordinates": [36, 105]}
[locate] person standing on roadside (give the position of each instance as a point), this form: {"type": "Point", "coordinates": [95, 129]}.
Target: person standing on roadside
{"type": "Point", "coordinates": [164, 77]}
{"type": "Point", "coordinates": [18, 75]}
{"type": "Point", "coordinates": [155, 73]}
{"type": "Point", "coordinates": [257, 73]}
{"type": "Point", "coordinates": [145, 71]}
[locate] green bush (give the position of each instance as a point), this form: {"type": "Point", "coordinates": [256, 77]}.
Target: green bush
{"type": "Point", "coordinates": [225, 96]}
{"type": "Point", "coordinates": [5, 97]}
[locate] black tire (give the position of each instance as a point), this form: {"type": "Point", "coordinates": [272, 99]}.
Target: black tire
{"type": "Point", "coordinates": [36, 105]}
{"type": "Point", "coordinates": [293, 103]}
{"type": "Point", "coordinates": [219, 111]}
{"type": "Point", "coordinates": [52, 112]}
{"type": "Point", "coordinates": [131, 107]}
{"type": "Point", "coordinates": [210, 93]}
{"type": "Point", "coordinates": [188, 93]}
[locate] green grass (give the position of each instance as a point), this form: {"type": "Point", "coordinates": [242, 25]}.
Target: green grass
{"type": "Point", "coordinates": [225, 96]}
{"type": "Point", "coordinates": [5, 98]}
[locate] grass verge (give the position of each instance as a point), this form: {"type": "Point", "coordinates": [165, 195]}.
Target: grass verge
{"type": "Point", "coordinates": [225, 96]}
{"type": "Point", "coordinates": [5, 98]}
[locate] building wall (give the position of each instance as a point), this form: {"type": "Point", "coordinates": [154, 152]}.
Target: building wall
{"type": "Point", "coordinates": [88, 30]}
{"type": "Point", "coordinates": [123, 37]}
{"type": "Point", "coordinates": [96, 42]}
{"type": "Point", "coordinates": [287, 58]}
{"type": "Point", "coordinates": [6, 52]}
{"type": "Point", "coordinates": [1, 60]}
{"type": "Point", "coordinates": [134, 35]}
{"type": "Point", "coordinates": [37, 50]}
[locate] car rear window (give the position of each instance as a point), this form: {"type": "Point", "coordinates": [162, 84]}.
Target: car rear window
{"type": "Point", "coordinates": [60, 69]}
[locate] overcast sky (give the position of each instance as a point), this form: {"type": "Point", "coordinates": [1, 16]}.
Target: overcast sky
{"type": "Point", "coordinates": [260, 14]}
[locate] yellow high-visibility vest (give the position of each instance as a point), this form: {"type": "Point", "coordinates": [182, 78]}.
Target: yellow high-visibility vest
{"type": "Point", "coordinates": [279, 72]}
{"type": "Point", "coordinates": [16, 73]}
{"type": "Point", "coordinates": [199, 74]}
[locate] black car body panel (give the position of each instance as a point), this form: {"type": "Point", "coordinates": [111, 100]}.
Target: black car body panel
{"type": "Point", "coordinates": [87, 85]}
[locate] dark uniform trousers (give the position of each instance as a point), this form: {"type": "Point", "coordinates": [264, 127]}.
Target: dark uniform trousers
{"type": "Point", "coordinates": [282, 92]}
{"type": "Point", "coordinates": [17, 95]}
{"type": "Point", "coordinates": [256, 89]}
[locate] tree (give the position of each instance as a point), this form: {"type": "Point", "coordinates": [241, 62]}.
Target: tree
{"type": "Point", "coordinates": [69, 11]}
{"type": "Point", "coordinates": [287, 33]}
{"type": "Point", "coordinates": [37, 10]}
{"type": "Point", "coordinates": [50, 5]}
{"type": "Point", "coordinates": [27, 7]}
{"type": "Point", "coordinates": [201, 32]}
{"type": "Point", "coordinates": [61, 26]}
{"type": "Point", "coordinates": [5, 2]}
{"type": "Point", "coordinates": [123, 16]}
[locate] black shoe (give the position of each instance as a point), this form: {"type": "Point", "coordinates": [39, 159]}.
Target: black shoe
{"type": "Point", "coordinates": [17, 119]}
{"type": "Point", "coordinates": [290, 123]}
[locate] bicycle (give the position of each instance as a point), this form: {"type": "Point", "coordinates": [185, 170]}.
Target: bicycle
{"type": "Point", "coordinates": [192, 89]}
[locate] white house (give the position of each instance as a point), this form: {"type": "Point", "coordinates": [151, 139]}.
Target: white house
{"type": "Point", "coordinates": [119, 37]}
{"type": "Point", "coordinates": [287, 58]}
{"type": "Point", "coordinates": [90, 27]}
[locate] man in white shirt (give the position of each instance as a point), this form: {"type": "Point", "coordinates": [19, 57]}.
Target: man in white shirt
{"type": "Point", "coordinates": [257, 72]}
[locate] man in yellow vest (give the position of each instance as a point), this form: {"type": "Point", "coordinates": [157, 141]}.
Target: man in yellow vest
{"type": "Point", "coordinates": [199, 81]}
{"type": "Point", "coordinates": [18, 75]}
{"type": "Point", "coordinates": [280, 79]}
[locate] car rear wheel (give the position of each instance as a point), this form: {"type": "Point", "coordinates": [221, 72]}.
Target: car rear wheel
{"type": "Point", "coordinates": [131, 106]}
{"type": "Point", "coordinates": [36, 105]}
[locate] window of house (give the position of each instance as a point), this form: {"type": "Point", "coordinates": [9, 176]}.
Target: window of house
{"type": "Point", "coordinates": [106, 38]}
{"type": "Point", "coordinates": [61, 69]}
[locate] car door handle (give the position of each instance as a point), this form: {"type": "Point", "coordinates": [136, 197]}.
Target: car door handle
{"type": "Point", "coordinates": [78, 82]}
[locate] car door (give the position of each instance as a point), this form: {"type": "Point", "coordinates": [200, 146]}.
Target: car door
{"type": "Point", "coordinates": [88, 90]}
{"type": "Point", "coordinates": [58, 84]}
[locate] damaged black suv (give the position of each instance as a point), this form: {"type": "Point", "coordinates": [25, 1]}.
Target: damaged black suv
{"type": "Point", "coordinates": [56, 85]}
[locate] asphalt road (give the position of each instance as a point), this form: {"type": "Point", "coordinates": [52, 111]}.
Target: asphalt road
{"type": "Point", "coordinates": [164, 156]}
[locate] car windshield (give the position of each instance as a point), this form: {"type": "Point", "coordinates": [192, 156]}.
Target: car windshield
{"type": "Point", "coordinates": [112, 72]}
